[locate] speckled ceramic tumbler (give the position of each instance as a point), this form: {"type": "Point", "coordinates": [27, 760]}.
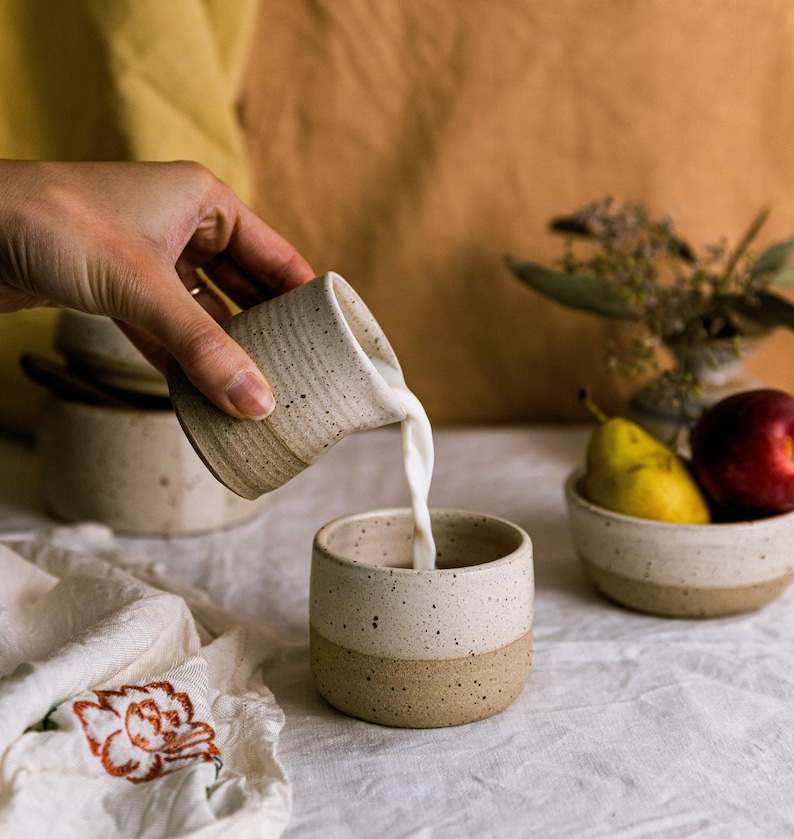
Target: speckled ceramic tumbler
{"type": "Point", "coordinates": [314, 344]}
{"type": "Point", "coordinates": [421, 649]}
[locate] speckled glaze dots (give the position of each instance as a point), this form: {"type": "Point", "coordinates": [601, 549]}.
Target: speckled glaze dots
{"type": "Point", "coordinates": [421, 649]}
{"type": "Point", "coordinates": [681, 570]}
{"type": "Point", "coordinates": [314, 346]}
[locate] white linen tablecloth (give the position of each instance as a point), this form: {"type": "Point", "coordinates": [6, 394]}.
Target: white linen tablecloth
{"type": "Point", "coordinates": [630, 726]}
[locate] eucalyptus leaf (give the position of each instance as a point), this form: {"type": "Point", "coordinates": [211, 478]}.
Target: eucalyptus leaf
{"type": "Point", "coordinates": [774, 258]}
{"type": "Point", "coordinates": [772, 310]}
{"type": "Point", "coordinates": [681, 248]}
{"type": "Point", "coordinates": [784, 277]}
{"type": "Point", "coordinates": [571, 226]}
{"type": "Point", "coordinates": [574, 290]}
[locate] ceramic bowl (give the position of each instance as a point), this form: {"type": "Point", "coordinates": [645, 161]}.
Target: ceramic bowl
{"type": "Point", "coordinates": [315, 345]}
{"type": "Point", "coordinates": [681, 570]}
{"type": "Point", "coordinates": [132, 470]}
{"type": "Point", "coordinates": [427, 648]}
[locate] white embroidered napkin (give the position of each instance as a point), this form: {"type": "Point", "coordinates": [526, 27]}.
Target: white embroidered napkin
{"type": "Point", "coordinates": [128, 710]}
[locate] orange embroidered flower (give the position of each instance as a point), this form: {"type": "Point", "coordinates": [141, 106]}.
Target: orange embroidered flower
{"type": "Point", "coordinates": [141, 733]}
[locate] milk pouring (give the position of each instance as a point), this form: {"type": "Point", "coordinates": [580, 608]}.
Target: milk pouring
{"type": "Point", "coordinates": [418, 459]}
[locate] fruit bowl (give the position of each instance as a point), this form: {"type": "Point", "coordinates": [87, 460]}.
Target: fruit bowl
{"type": "Point", "coordinates": [681, 570]}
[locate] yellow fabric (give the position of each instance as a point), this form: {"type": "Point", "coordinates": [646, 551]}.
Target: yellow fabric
{"type": "Point", "coordinates": [121, 80]}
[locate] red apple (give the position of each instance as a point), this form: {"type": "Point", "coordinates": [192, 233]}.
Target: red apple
{"type": "Point", "coordinates": [743, 451]}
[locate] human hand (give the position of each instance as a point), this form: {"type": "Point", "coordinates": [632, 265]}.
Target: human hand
{"type": "Point", "coordinates": [127, 240]}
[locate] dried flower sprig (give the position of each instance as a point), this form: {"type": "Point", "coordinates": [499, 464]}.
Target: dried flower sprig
{"type": "Point", "coordinates": [639, 269]}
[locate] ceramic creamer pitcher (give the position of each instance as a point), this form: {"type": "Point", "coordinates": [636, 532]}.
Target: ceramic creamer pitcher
{"type": "Point", "coordinates": [314, 344]}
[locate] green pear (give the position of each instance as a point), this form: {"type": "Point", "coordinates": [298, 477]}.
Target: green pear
{"type": "Point", "coordinates": [630, 472]}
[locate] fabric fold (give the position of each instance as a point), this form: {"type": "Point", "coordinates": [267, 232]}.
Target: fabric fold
{"type": "Point", "coordinates": [120, 712]}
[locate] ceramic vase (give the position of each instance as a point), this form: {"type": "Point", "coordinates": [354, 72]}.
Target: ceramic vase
{"type": "Point", "coordinates": [718, 367]}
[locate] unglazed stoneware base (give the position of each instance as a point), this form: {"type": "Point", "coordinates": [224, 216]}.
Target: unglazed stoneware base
{"type": "Point", "coordinates": [420, 693]}
{"type": "Point", "coordinates": [132, 470]}
{"type": "Point", "coordinates": [421, 649]}
{"type": "Point", "coordinates": [682, 601]}
{"type": "Point", "coordinates": [681, 570]}
{"type": "Point", "coordinates": [314, 345]}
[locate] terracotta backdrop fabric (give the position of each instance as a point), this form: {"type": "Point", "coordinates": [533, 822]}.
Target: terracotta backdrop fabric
{"type": "Point", "coordinates": [411, 145]}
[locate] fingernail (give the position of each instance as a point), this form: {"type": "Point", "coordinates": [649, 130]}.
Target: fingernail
{"type": "Point", "coordinates": [251, 396]}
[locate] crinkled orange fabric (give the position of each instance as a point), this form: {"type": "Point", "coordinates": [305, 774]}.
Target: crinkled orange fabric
{"type": "Point", "coordinates": [411, 144]}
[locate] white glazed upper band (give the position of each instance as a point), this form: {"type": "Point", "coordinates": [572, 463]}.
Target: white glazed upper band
{"type": "Point", "coordinates": [498, 611]}
{"type": "Point", "coordinates": [693, 556]}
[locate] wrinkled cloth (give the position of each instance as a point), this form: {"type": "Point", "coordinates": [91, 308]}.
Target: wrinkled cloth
{"type": "Point", "coordinates": [630, 727]}
{"type": "Point", "coordinates": [128, 709]}
{"type": "Point", "coordinates": [410, 145]}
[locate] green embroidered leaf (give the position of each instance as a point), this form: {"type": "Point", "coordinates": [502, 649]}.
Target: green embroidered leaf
{"type": "Point", "coordinates": [574, 290]}
{"type": "Point", "coordinates": [772, 310]}
{"type": "Point", "coordinates": [773, 259]}
{"type": "Point", "coordinates": [47, 723]}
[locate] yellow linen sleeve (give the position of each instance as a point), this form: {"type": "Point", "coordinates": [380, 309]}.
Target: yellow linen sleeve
{"type": "Point", "coordinates": [128, 80]}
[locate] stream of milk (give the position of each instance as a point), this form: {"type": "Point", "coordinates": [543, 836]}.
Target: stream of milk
{"type": "Point", "coordinates": [418, 458]}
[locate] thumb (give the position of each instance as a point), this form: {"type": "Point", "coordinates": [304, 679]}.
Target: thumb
{"type": "Point", "coordinates": [215, 363]}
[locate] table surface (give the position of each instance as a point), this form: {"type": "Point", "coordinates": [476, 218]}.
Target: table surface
{"type": "Point", "coordinates": [630, 725]}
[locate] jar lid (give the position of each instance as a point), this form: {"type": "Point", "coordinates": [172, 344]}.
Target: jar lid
{"type": "Point", "coordinates": [96, 348]}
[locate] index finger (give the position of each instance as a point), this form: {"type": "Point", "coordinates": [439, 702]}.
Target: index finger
{"type": "Point", "coordinates": [242, 254]}
{"type": "Point", "coordinates": [265, 255]}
